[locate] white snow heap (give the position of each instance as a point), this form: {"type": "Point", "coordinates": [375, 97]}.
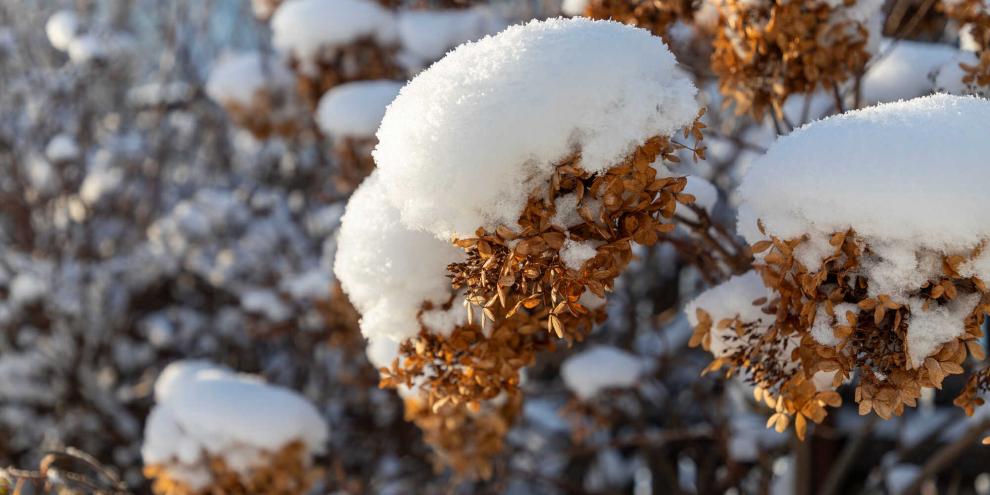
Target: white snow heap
{"type": "Point", "coordinates": [62, 28]}
{"type": "Point", "coordinates": [355, 109]}
{"type": "Point", "coordinates": [598, 368]}
{"type": "Point", "coordinates": [466, 141]}
{"type": "Point", "coordinates": [903, 70]}
{"type": "Point", "coordinates": [387, 270]}
{"type": "Point", "coordinates": [203, 409]}
{"type": "Point", "coordinates": [304, 29]}
{"type": "Point", "coordinates": [910, 172]}
{"type": "Point", "coordinates": [62, 148]}
{"type": "Point", "coordinates": [907, 177]}
{"type": "Point", "coordinates": [239, 78]}
{"type": "Point", "coordinates": [731, 299]}
{"type": "Point", "coordinates": [428, 34]}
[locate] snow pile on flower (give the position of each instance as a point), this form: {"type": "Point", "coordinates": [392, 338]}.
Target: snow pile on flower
{"type": "Point", "coordinates": [869, 241]}
{"type": "Point", "coordinates": [355, 109]}
{"type": "Point", "coordinates": [256, 90]}
{"type": "Point", "coordinates": [387, 270]}
{"type": "Point", "coordinates": [305, 29]}
{"type": "Point", "coordinates": [904, 70]}
{"type": "Point", "coordinates": [213, 429]}
{"type": "Point", "coordinates": [600, 368]}
{"type": "Point", "coordinates": [467, 139]}
{"type": "Point", "coordinates": [564, 121]}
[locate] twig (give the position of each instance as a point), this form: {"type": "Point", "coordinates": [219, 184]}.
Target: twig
{"type": "Point", "coordinates": [946, 455]}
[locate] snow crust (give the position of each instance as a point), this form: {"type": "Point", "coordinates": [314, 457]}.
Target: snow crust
{"type": "Point", "coordinates": [355, 109]}
{"type": "Point", "coordinates": [240, 77]}
{"type": "Point", "coordinates": [387, 270]}
{"type": "Point", "coordinates": [589, 372]}
{"type": "Point", "coordinates": [467, 140]}
{"type": "Point", "coordinates": [206, 409]}
{"type": "Point", "coordinates": [62, 148]}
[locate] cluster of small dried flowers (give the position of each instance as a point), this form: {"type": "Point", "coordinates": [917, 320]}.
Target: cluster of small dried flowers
{"type": "Point", "coordinates": [655, 16]}
{"type": "Point", "coordinates": [523, 293]}
{"type": "Point", "coordinates": [284, 472]}
{"type": "Point", "coordinates": [767, 51]}
{"type": "Point", "coordinates": [825, 328]}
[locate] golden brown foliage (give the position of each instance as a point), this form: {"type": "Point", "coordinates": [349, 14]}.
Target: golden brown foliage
{"type": "Point", "coordinates": [767, 52]}
{"type": "Point", "coordinates": [285, 472]}
{"type": "Point", "coordinates": [360, 60]}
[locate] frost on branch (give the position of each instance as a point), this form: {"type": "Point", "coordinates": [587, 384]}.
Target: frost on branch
{"type": "Point", "coordinates": [873, 261]}
{"type": "Point", "coordinates": [215, 431]}
{"type": "Point", "coordinates": [350, 115]}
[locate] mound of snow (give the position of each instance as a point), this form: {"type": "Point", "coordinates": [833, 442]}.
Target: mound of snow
{"type": "Point", "coordinates": [61, 28]}
{"type": "Point", "coordinates": [599, 368]}
{"type": "Point", "coordinates": [240, 77]}
{"type": "Point", "coordinates": [305, 28]}
{"type": "Point", "coordinates": [905, 71]}
{"type": "Point", "coordinates": [910, 172]}
{"type": "Point", "coordinates": [429, 34]}
{"type": "Point", "coordinates": [731, 299]}
{"type": "Point", "coordinates": [205, 409]}
{"type": "Point", "coordinates": [467, 140]}
{"type": "Point", "coordinates": [355, 109]}
{"type": "Point", "coordinates": [387, 270]}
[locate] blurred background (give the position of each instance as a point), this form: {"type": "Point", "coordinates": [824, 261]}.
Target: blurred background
{"type": "Point", "coordinates": [168, 190]}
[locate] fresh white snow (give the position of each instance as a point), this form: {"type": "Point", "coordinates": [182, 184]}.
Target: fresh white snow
{"type": "Point", "coordinates": [355, 109]}
{"type": "Point", "coordinates": [467, 140]}
{"type": "Point", "coordinates": [598, 368]}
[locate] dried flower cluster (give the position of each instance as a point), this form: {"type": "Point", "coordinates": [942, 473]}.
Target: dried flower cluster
{"type": "Point", "coordinates": [825, 327]}
{"type": "Point", "coordinates": [285, 472]}
{"type": "Point", "coordinates": [362, 59]}
{"type": "Point", "coordinates": [523, 291]}
{"type": "Point", "coordinates": [766, 51]}
{"type": "Point", "coordinates": [975, 14]}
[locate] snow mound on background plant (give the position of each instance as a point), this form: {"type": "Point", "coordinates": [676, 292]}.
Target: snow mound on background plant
{"type": "Point", "coordinates": [387, 270]}
{"type": "Point", "coordinates": [467, 140]}
{"type": "Point", "coordinates": [428, 34]}
{"type": "Point", "coordinates": [304, 28]}
{"type": "Point", "coordinates": [589, 372]}
{"type": "Point", "coordinates": [355, 109]}
{"type": "Point", "coordinates": [203, 408]}
{"type": "Point", "coordinates": [241, 77]}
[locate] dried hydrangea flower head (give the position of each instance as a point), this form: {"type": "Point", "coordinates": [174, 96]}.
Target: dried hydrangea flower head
{"type": "Point", "coordinates": [535, 151]}
{"type": "Point", "coordinates": [350, 115]}
{"type": "Point", "coordinates": [870, 260]}
{"type": "Point", "coordinates": [974, 17]}
{"type": "Point", "coordinates": [329, 42]}
{"type": "Point", "coordinates": [257, 92]}
{"type": "Point", "coordinates": [214, 431]}
{"type": "Point", "coordinates": [767, 50]}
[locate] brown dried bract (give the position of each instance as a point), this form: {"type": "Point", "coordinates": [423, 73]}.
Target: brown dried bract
{"type": "Point", "coordinates": [362, 59]}
{"type": "Point", "coordinates": [975, 14]}
{"type": "Point", "coordinates": [654, 15]}
{"type": "Point", "coordinates": [767, 52]}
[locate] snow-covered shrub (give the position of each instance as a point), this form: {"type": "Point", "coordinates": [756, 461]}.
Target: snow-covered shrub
{"type": "Point", "coordinates": [215, 431]}
{"type": "Point", "coordinates": [330, 42]}
{"type": "Point", "coordinates": [350, 115]}
{"type": "Point", "coordinates": [258, 92]}
{"type": "Point", "coordinates": [869, 268]}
